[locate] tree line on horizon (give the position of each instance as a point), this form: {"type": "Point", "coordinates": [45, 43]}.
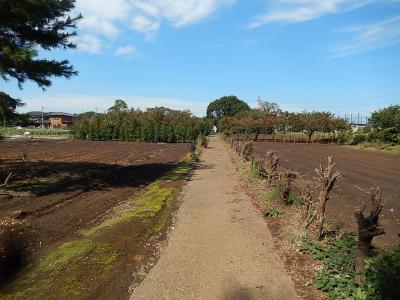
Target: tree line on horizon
{"type": "Point", "coordinates": [157, 124]}
{"type": "Point", "coordinates": [234, 116]}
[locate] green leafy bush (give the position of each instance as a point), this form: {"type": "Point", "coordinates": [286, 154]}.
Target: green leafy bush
{"type": "Point", "coordinates": [358, 138]}
{"type": "Point", "coordinates": [337, 256]}
{"type": "Point", "coordinates": [391, 135]}
{"type": "Point", "coordinates": [203, 140]}
{"type": "Point", "coordinates": [336, 278]}
{"type": "Point", "coordinates": [343, 137]}
{"type": "Point", "coordinates": [383, 276]}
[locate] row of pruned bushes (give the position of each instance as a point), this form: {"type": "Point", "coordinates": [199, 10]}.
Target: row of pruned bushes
{"type": "Point", "coordinates": [153, 125]}
{"type": "Point", "coordinates": [351, 268]}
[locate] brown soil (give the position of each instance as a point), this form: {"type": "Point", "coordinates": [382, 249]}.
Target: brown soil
{"type": "Point", "coordinates": [360, 170]}
{"type": "Point", "coordinates": [67, 186]}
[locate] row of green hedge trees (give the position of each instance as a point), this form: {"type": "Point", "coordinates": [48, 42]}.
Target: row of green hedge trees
{"type": "Point", "coordinates": [160, 125]}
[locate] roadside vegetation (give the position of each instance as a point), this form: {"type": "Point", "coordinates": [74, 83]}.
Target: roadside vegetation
{"type": "Point", "coordinates": [268, 122]}
{"type": "Point", "coordinates": [346, 264]}
{"type": "Point", "coordinates": [382, 133]}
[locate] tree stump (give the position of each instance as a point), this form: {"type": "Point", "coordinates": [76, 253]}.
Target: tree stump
{"type": "Point", "coordinates": [290, 176]}
{"type": "Point", "coordinates": [368, 228]}
{"type": "Point", "coordinates": [327, 178]}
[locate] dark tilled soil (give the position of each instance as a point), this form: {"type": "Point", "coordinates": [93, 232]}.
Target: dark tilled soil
{"type": "Point", "coordinates": [360, 170]}
{"type": "Point", "coordinates": [65, 186]}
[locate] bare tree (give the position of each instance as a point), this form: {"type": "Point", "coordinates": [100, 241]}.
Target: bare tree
{"type": "Point", "coordinates": [368, 228]}
{"type": "Point", "coordinates": [327, 178]}
{"type": "Point", "coordinates": [6, 180]}
{"type": "Point", "coordinates": [238, 146]}
{"type": "Point", "coordinates": [307, 196]}
{"type": "Point", "coordinates": [290, 176]}
{"type": "Point", "coordinates": [272, 160]}
{"type": "Point", "coordinates": [247, 150]}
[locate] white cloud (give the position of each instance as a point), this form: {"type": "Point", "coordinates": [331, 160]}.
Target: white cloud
{"type": "Point", "coordinates": [105, 18]}
{"type": "Point", "coordinates": [90, 43]}
{"type": "Point", "coordinates": [295, 11]}
{"type": "Point", "coordinates": [370, 37]}
{"type": "Point", "coordinates": [145, 25]}
{"type": "Point", "coordinates": [126, 51]}
{"type": "Point", "coordinates": [81, 103]}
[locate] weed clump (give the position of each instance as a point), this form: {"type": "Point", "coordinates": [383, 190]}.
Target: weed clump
{"type": "Point", "coordinates": [337, 275]}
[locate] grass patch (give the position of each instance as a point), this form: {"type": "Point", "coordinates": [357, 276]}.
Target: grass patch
{"type": "Point", "coordinates": [377, 147]}
{"type": "Point", "coordinates": [180, 172]}
{"type": "Point", "coordinates": [295, 199]}
{"type": "Point", "coordinates": [272, 194]}
{"type": "Point", "coordinates": [273, 213]}
{"type": "Point", "coordinates": [254, 174]}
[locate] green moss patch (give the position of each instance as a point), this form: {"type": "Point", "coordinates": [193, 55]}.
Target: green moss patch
{"type": "Point", "coordinates": [80, 268]}
{"type": "Point", "coordinates": [145, 206]}
{"type": "Point", "coordinates": [56, 272]}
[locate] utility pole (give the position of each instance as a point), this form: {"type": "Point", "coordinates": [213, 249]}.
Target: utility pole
{"type": "Point", "coordinates": [42, 118]}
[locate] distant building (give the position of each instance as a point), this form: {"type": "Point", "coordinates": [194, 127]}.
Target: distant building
{"type": "Point", "coordinates": [61, 120]}
{"type": "Point", "coordinates": [357, 127]}
{"type": "Point", "coordinates": [50, 120]}
{"type": "Point", "coordinates": [35, 119]}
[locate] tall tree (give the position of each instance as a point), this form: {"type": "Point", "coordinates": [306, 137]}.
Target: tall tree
{"type": "Point", "coordinates": [8, 105]}
{"type": "Point", "coordinates": [269, 107]}
{"type": "Point", "coordinates": [386, 118]}
{"type": "Point", "coordinates": [28, 26]}
{"type": "Point", "coordinates": [227, 106]}
{"type": "Point", "coordinates": [119, 105]}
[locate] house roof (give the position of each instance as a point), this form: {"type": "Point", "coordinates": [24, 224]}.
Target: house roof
{"type": "Point", "coordinates": [37, 114]}
{"type": "Point", "coordinates": [53, 114]}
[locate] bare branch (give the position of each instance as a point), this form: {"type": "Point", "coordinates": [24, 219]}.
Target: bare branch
{"type": "Point", "coordinates": [7, 180]}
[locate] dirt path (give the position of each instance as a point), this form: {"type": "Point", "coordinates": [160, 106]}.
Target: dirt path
{"type": "Point", "coordinates": [221, 247]}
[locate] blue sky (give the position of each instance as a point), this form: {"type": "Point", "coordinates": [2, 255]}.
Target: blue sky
{"type": "Point", "coordinates": [336, 55]}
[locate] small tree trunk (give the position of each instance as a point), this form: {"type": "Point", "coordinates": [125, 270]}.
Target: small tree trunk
{"type": "Point", "coordinates": [290, 177]}
{"type": "Point", "coordinates": [272, 160]}
{"type": "Point", "coordinates": [320, 214]}
{"type": "Point", "coordinates": [307, 198]}
{"type": "Point", "coordinates": [327, 179]}
{"type": "Point", "coordinates": [368, 228]}
{"type": "Point", "coordinates": [256, 137]}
